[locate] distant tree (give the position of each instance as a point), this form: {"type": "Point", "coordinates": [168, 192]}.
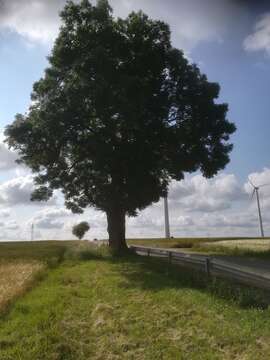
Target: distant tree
{"type": "Point", "coordinates": [118, 114]}
{"type": "Point", "coordinates": [80, 229]}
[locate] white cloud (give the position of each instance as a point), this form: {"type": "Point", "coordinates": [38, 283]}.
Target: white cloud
{"type": "Point", "coordinates": [259, 40]}
{"type": "Point", "coordinates": [191, 21]}
{"type": "Point", "coordinates": [4, 213]}
{"type": "Point", "coordinates": [206, 195]}
{"type": "Point", "coordinates": [261, 179]}
{"type": "Point", "coordinates": [17, 191]}
{"type": "Point", "coordinates": [10, 225]}
{"type": "Point", "coordinates": [50, 218]}
{"type": "Point", "coordinates": [7, 158]}
{"type": "Point", "coordinates": [198, 207]}
{"type": "Point", "coordinates": [35, 20]}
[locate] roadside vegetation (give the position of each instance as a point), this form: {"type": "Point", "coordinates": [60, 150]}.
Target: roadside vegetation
{"type": "Point", "coordinates": [95, 306]}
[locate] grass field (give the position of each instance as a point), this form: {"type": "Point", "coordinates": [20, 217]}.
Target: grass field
{"type": "Point", "coordinates": [92, 306]}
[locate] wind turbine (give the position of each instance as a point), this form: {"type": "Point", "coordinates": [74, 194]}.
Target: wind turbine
{"type": "Point", "coordinates": [256, 192]}
{"type": "Point", "coordinates": [32, 231]}
{"type": "Point", "coordinates": [166, 215]}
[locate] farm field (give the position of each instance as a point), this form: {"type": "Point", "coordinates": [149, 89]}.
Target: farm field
{"type": "Point", "coordinates": [90, 305]}
{"type": "Point", "coordinates": [255, 245]}
{"type": "Point", "coordinates": [249, 247]}
{"type": "Point", "coordinates": [22, 264]}
{"type": "Point", "coordinates": [173, 242]}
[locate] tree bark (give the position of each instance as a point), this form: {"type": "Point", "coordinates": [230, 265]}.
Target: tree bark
{"type": "Point", "coordinates": [117, 230]}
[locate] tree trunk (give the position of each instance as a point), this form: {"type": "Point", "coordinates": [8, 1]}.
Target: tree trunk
{"type": "Point", "coordinates": [117, 230]}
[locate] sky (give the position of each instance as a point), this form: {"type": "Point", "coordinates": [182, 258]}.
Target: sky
{"type": "Point", "coordinates": [230, 42]}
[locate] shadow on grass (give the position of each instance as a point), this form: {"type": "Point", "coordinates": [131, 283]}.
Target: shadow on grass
{"type": "Point", "coordinates": [156, 274]}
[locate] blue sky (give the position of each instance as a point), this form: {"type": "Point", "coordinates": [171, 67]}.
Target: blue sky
{"type": "Point", "coordinates": [229, 40]}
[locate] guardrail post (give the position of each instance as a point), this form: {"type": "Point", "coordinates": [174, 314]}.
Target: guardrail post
{"type": "Point", "coordinates": [207, 266]}
{"type": "Point", "coordinates": [170, 257]}
{"type": "Point", "coordinates": [148, 252]}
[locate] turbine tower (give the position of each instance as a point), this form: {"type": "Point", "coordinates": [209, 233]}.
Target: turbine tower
{"type": "Point", "coordinates": [32, 232]}
{"type": "Point", "coordinates": [256, 192]}
{"type": "Point", "coordinates": [166, 215]}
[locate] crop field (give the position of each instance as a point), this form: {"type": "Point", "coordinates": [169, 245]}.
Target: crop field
{"type": "Point", "coordinates": [15, 279]}
{"type": "Point", "coordinates": [22, 264]}
{"type": "Point", "coordinates": [255, 245]}
{"type": "Point", "coordinates": [204, 243]}
{"type": "Point", "coordinates": [90, 305]}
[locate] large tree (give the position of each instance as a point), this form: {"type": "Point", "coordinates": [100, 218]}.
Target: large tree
{"type": "Point", "coordinates": [118, 114]}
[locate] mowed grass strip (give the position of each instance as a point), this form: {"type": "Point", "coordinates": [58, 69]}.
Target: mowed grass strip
{"type": "Point", "coordinates": [132, 308]}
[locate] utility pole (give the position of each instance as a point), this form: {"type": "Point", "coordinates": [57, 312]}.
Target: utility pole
{"type": "Point", "coordinates": [259, 210]}
{"type": "Point", "coordinates": [166, 215]}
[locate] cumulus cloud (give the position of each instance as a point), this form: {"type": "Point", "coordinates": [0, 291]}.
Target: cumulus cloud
{"type": "Point", "coordinates": [17, 191]}
{"type": "Point", "coordinates": [206, 195]}
{"type": "Point", "coordinates": [10, 225]}
{"type": "Point", "coordinates": [261, 179]}
{"type": "Point", "coordinates": [4, 213]}
{"type": "Point", "coordinates": [50, 218]}
{"type": "Point", "coordinates": [191, 20]}
{"type": "Point", "coordinates": [259, 40]}
{"type": "Point", "coordinates": [7, 158]}
{"type": "Point", "coordinates": [35, 20]}
{"type": "Point", "coordinates": [206, 207]}
{"type": "Point", "coordinates": [198, 207]}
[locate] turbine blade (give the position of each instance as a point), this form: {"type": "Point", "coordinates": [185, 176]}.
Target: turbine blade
{"type": "Point", "coordinates": [253, 193]}
{"type": "Point", "coordinates": [264, 185]}
{"type": "Point", "coordinates": [251, 183]}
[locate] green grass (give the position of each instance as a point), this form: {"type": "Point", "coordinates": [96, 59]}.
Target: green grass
{"type": "Point", "coordinates": [134, 308]}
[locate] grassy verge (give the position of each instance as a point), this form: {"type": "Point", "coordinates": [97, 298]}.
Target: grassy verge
{"type": "Point", "coordinates": [134, 308]}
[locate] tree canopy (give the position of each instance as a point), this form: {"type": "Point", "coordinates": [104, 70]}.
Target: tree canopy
{"type": "Point", "coordinates": [118, 114]}
{"type": "Point", "coordinates": [80, 229]}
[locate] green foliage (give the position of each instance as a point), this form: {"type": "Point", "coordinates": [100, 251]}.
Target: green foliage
{"type": "Point", "coordinates": [80, 229]}
{"type": "Point", "coordinates": [118, 114]}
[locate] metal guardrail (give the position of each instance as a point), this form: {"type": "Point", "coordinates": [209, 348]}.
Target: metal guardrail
{"type": "Point", "coordinates": [207, 264]}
